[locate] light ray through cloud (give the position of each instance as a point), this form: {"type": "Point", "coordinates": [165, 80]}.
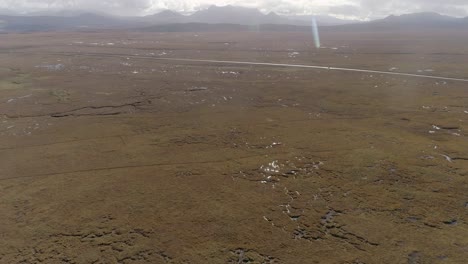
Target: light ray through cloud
{"type": "Point", "coordinates": [315, 33]}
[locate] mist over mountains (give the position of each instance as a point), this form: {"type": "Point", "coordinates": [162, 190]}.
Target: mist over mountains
{"type": "Point", "coordinates": [238, 18]}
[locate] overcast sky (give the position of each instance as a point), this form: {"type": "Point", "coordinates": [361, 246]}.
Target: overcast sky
{"type": "Point", "coordinates": [362, 9]}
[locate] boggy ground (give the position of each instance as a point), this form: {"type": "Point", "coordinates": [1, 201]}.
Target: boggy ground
{"type": "Point", "coordinates": [107, 159]}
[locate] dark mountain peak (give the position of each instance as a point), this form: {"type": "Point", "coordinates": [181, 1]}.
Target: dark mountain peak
{"type": "Point", "coordinates": [215, 7]}
{"type": "Point", "coordinates": [322, 20]}
{"type": "Point", "coordinates": [171, 12]}
{"type": "Point", "coordinates": [419, 14]}
{"type": "Point", "coordinates": [230, 9]}
{"type": "Point", "coordinates": [165, 16]}
{"type": "Point", "coordinates": [67, 13]}
{"type": "Point", "coordinates": [273, 14]}
{"type": "Point", "coordinates": [424, 20]}
{"type": "Point", "coordinates": [419, 17]}
{"type": "Point", "coordinates": [167, 13]}
{"type": "Point", "coordinates": [228, 14]}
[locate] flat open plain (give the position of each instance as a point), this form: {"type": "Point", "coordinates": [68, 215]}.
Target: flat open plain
{"type": "Point", "coordinates": [110, 156]}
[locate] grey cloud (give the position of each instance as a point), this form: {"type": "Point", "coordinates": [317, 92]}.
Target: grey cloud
{"type": "Point", "coordinates": [348, 10]}
{"type": "Point", "coordinates": [382, 8]}
{"type": "Point", "coordinates": [352, 8]}
{"type": "Point", "coordinates": [106, 6]}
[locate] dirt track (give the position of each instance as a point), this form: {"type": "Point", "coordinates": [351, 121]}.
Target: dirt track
{"type": "Point", "coordinates": [116, 160]}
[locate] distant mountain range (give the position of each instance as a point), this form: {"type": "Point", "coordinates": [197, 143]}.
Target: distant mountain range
{"type": "Point", "coordinates": [49, 23]}
{"type": "Point", "coordinates": [427, 20]}
{"type": "Point", "coordinates": [239, 16]}
{"type": "Point", "coordinates": [229, 17]}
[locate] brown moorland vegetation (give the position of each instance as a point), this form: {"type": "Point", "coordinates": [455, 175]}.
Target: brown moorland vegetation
{"type": "Point", "coordinates": [109, 156]}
